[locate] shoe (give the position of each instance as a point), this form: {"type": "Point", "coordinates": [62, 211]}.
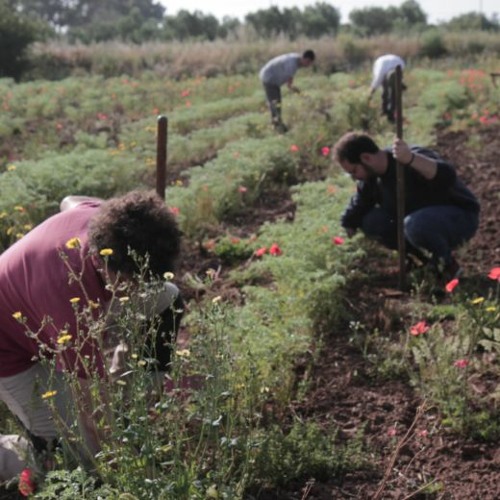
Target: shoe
{"type": "Point", "coordinates": [280, 127]}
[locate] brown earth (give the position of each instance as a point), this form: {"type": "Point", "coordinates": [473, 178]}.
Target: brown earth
{"type": "Point", "coordinates": [408, 446]}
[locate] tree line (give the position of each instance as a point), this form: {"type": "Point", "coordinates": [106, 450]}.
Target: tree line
{"type": "Point", "coordinates": [23, 22]}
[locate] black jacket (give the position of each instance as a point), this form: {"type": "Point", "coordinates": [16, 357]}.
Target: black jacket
{"type": "Point", "coordinates": [444, 189]}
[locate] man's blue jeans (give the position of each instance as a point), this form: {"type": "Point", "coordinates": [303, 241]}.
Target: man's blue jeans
{"type": "Point", "coordinates": [434, 230]}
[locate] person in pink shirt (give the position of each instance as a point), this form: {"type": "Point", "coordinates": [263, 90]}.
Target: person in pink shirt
{"type": "Point", "coordinates": [55, 283]}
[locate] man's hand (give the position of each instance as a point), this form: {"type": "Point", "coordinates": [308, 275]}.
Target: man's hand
{"type": "Point", "coordinates": [427, 167]}
{"type": "Point", "coordinates": [402, 152]}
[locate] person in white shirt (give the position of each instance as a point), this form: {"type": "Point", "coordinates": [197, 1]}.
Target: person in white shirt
{"type": "Point", "coordinates": [275, 73]}
{"type": "Point", "coordinates": [384, 75]}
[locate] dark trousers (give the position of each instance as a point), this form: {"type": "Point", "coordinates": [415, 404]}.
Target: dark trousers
{"type": "Point", "coordinates": [273, 96]}
{"type": "Point", "coordinates": [389, 96]}
{"type": "Point", "coordinates": [161, 337]}
{"type": "Point", "coordinates": [434, 231]}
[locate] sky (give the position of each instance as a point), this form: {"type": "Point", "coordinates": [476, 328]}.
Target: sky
{"type": "Point", "coordinates": [436, 10]}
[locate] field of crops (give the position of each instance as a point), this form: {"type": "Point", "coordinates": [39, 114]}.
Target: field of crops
{"type": "Point", "coordinates": [310, 379]}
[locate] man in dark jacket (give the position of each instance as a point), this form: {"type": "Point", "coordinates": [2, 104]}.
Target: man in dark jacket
{"type": "Point", "coordinates": [441, 213]}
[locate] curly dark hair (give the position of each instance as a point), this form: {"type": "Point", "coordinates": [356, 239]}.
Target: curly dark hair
{"type": "Point", "coordinates": [135, 226]}
{"type": "Point", "coordinates": [352, 145]}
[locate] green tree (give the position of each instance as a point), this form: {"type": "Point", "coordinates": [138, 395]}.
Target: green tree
{"type": "Point", "coordinates": [377, 20]}
{"type": "Point", "coordinates": [17, 32]}
{"type": "Point", "coordinates": [408, 17]}
{"type": "Point", "coordinates": [191, 25]}
{"type": "Point", "coordinates": [84, 13]}
{"type": "Point", "coordinates": [270, 22]}
{"type": "Point", "coordinates": [319, 20]}
{"type": "Point", "coordinates": [228, 26]}
{"type": "Point", "coordinates": [472, 21]}
{"type": "Point", "coordinates": [371, 20]}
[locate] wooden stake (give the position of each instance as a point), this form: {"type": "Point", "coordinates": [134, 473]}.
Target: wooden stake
{"type": "Point", "coordinates": [161, 156]}
{"type": "Point", "coordinates": [400, 182]}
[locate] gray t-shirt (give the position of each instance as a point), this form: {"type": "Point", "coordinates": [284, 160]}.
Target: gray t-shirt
{"type": "Point", "coordinates": [280, 69]}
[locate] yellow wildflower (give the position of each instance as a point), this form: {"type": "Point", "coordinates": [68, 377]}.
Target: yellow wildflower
{"type": "Point", "coordinates": [49, 394]}
{"type": "Point", "coordinates": [491, 309]}
{"type": "Point", "coordinates": [216, 299]}
{"type": "Point", "coordinates": [168, 276]}
{"type": "Point", "coordinates": [64, 338]}
{"type": "Point", "coordinates": [17, 315]}
{"type": "Point", "coordinates": [93, 305]}
{"type": "Point", "coordinates": [124, 299]}
{"type": "Point", "coordinates": [183, 353]}
{"type": "Point", "coordinates": [477, 300]}
{"type": "Point", "coordinates": [105, 252]}
{"type": "Point", "coordinates": [11, 168]}
{"type": "Point", "coordinates": [75, 300]}
{"type": "Point", "coordinates": [73, 243]}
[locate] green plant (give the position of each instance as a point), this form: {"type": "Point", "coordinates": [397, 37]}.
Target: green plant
{"type": "Point", "coordinates": [432, 45]}
{"type": "Point", "coordinates": [305, 451]}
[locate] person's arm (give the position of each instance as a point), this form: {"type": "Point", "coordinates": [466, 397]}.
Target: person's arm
{"type": "Point", "coordinates": [425, 166]}
{"type": "Point", "coordinates": [73, 201]}
{"type": "Point", "coordinates": [291, 86]}
{"type": "Point", "coordinates": [359, 205]}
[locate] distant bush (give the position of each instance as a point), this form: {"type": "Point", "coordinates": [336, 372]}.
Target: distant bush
{"type": "Point", "coordinates": [432, 45]}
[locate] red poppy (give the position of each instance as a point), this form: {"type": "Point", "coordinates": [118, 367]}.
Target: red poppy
{"type": "Point", "coordinates": [338, 240]}
{"type": "Point", "coordinates": [495, 274]}
{"type": "Point", "coordinates": [450, 286]}
{"type": "Point", "coordinates": [325, 151]}
{"type": "Point", "coordinates": [294, 148]}
{"type": "Point", "coordinates": [260, 251]}
{"type": "Point", "coordinates": [461, 363]}
{"type": "Point", "coordinates": [26, 483]}
{"type": "Point", "coordinates": [275, 249]}
{"type": "Point", "coordinates": [419, 328]}
{"type": "Point", "coordinates": [185, 93]}
{"type": "Point", "coordinates": [175, 210]}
